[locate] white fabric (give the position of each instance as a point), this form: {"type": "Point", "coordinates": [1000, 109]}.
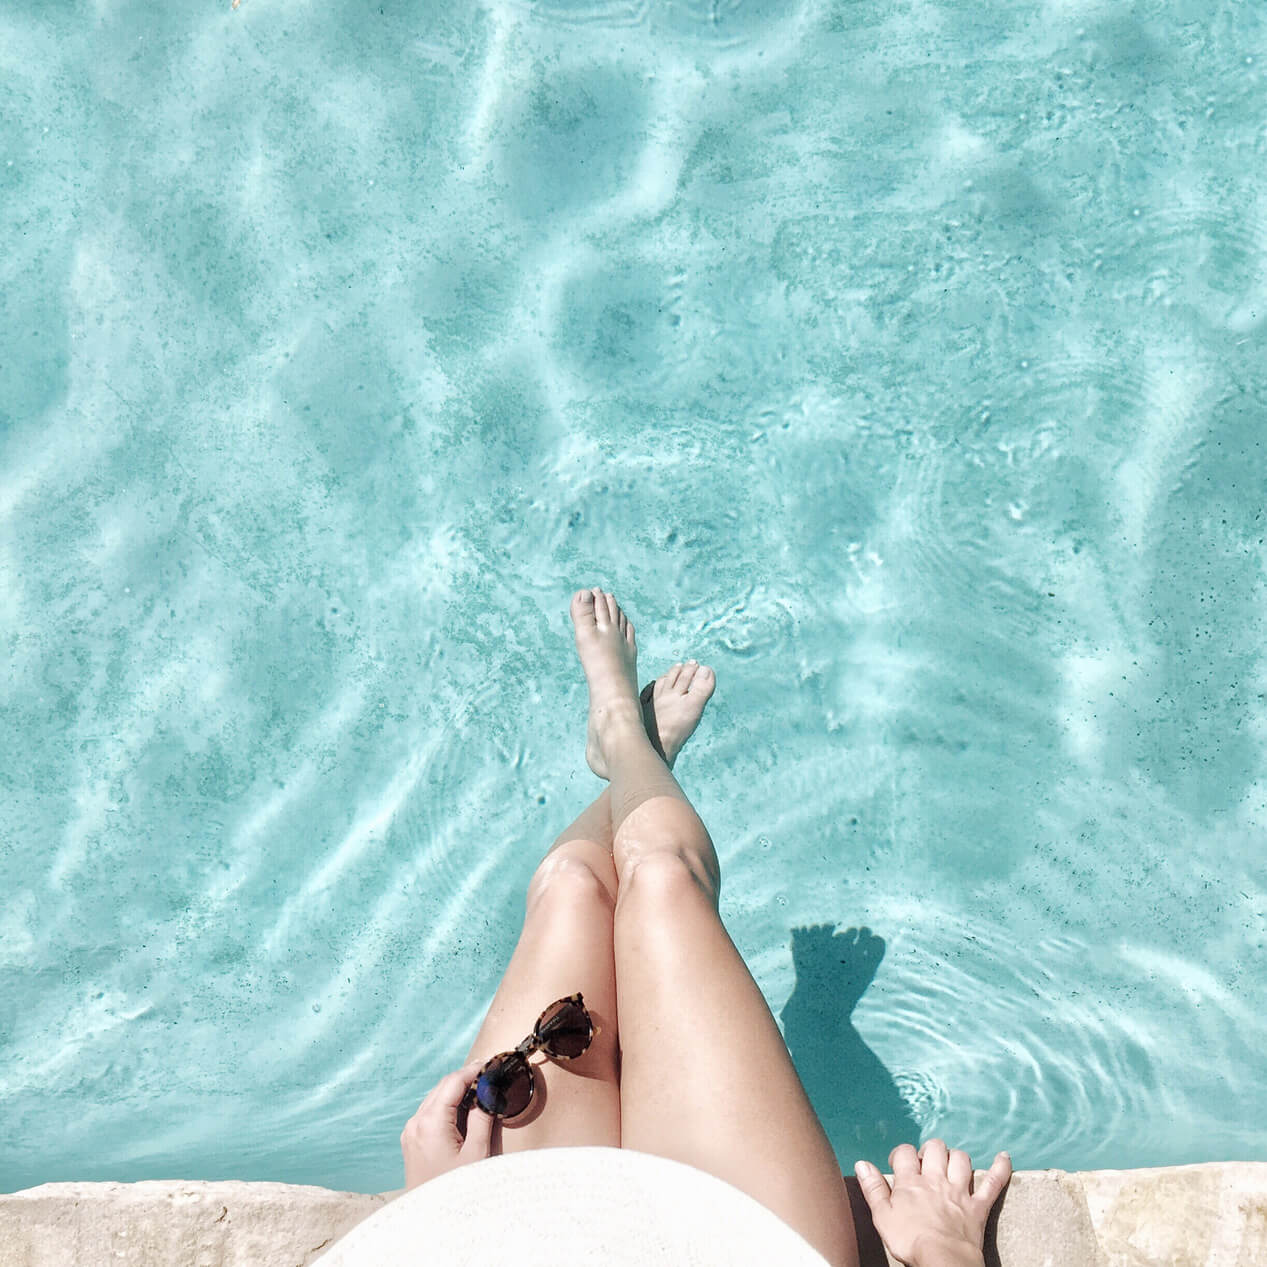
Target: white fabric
{"type": "Point", "coordinates": [570, 1207]}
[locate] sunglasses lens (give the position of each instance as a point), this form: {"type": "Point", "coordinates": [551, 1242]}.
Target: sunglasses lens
{"type": "Point", "coordinates": [505, 1088]}
{"type": "Point", "coordinates": [564, 1030]}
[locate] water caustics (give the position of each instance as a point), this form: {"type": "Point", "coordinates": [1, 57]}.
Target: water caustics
{"type": "Point", "coordinates": [904, 364]}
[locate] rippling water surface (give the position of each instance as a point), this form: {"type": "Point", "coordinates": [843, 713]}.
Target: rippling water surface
{"type": "Point", "coordinates": [905, 362]}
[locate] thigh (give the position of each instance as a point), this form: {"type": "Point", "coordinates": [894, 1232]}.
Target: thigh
{"type": "Point", "coordinates": [565, 947]}
{"type": "Point", "coordinates": [706, 1078]}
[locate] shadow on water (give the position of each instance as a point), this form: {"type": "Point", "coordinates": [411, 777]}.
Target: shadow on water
{"type": "Point", "coordinates": [862, 1110]}
{"type": "Point", "coordinates": [854, 1095]}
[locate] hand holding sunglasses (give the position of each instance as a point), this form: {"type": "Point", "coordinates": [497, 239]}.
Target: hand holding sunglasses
{"type": "Point", "coordinates": [502, 1087]}
{"type": "Point", "coordinates": [432, 1142]}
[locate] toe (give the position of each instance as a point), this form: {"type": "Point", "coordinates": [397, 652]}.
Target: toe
{"type": "Point", "coordinates": [703, 682]}
{"type": "Point", "coordinates": [671, 677]}
{"type": "Point", "coordinates": [583, 606]}
{"type": "Point", "coordinates": [689, 669]}
{"type": "Point", "coordinates": [601, 614]}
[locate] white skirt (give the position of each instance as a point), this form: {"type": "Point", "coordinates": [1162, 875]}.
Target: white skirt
{"type": "Point", "coordinates": [569, 1207]}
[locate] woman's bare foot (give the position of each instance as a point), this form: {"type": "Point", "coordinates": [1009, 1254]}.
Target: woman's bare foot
{"type": "Point", "coordinates": [673, 704]}
{"type": "Point", "coordinates": [669, 708]}
{"type": "Point", "coordinates": [609, 656]}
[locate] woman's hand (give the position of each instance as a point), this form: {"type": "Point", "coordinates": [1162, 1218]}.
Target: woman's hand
{"type": "Point", "coordinates": [930, 1218]}
{"type": "Point", "coordinates": [431, 1141]}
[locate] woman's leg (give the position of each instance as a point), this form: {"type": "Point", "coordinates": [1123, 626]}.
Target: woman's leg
{"type": "Point", "coordinates": [566, 945]}
{"type": "Point", "coordinates": [706, 1078]}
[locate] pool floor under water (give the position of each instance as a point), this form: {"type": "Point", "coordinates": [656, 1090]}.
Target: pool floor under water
{"type": "Point", "coordinates": [904, 365]}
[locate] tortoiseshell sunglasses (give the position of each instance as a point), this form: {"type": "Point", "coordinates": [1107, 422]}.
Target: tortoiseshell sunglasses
{"type": "Point", "coordinates": [504, 1087]}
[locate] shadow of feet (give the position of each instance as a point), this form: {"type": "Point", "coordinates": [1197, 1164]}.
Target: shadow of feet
{"type": "Point", "coordinates": [854, 1095]}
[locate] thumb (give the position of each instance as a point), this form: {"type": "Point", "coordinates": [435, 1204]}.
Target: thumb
{"type": "Point", "coordinates": [479, 1134]}
{"type": "Point", "coordinates": [995, 1180]}
{"type": "Point", "coordinates": [875, 1187]}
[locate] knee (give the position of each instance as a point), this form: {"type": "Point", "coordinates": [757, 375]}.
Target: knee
{"type": "Point", "coordinates": [664, 877]}
{"type": "Point", "coordinates": [575, 875]}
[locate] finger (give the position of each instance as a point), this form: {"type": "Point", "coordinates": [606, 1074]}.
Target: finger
{"type": "Point", "coordinates": [424, 1109]}
{"type": "Point", "coordinates": [959, 1168]}
{"type": "Point", "coordinates": [479, 1135]}
{"type": "Point", "coordinates": [447, 1094]}
{"type": "Point", "coordinates": [472, 1067]}
{"type": "Point", "coordinates": [875, 1187]}
{"type": "Point", "coordinates": [448, 1108]}
{"type": "Point", "coordinates": [904, 1161]}
{"type": "Point", "coordinates": [933, 1157]}
{"type": "Point", "coordinates": [994, 1180]}
{"type": "Point", "coordinates": [431, 1097]}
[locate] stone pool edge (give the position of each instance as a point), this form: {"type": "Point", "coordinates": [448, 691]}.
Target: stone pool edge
{"type": "Point", "coordinates": [1209, 1215]}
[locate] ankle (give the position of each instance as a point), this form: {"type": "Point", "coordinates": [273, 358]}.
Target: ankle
{"type": "Point", "coordinates": [620, 721]}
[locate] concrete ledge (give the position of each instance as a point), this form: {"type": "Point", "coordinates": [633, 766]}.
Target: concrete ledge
{"type": "Point", "coordinates": [166, 1223]}
{"type": "Point", "coordinates": [1213, 1215]}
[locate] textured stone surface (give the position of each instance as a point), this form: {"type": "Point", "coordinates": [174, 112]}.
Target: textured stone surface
{"type": "Point", "coordinates": [1182, 1216]}
{"type": "Point", "coordinates": [1043, 1219]}
{"type": "Point", "coordinates": [1214, 1214]}
{"type": "Point", "coordinates": [226, 1224]}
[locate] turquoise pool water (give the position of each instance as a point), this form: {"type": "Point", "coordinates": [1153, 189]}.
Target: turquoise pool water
{"type": "Point", "coordinates": [905, 362]}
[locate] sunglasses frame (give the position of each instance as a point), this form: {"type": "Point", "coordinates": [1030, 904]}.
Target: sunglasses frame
{"type": "Point", "coordinates": [529, 1047]}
